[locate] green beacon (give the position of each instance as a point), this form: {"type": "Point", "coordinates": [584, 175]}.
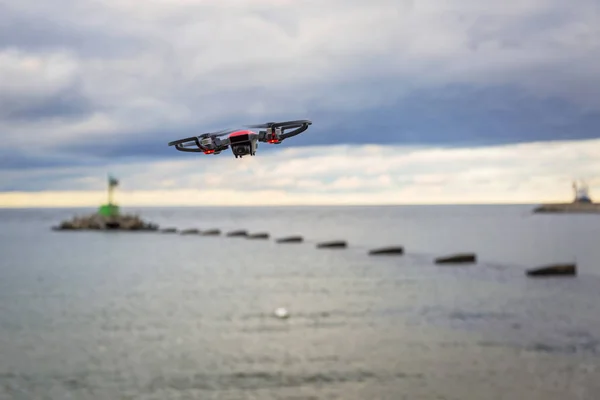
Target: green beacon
{"type": "Point", "coordinates": [110, 209]}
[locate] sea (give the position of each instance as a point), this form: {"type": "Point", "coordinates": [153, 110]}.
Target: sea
{"type": "Point", "coordinates": [149, 315]}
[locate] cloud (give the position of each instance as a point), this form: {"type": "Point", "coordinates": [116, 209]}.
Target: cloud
{"type": "Point", "coordinates": [408, 98]}
{"type": "Point", "coordinates": [104, 74]}
{"type": "Point", "coordinates": [371, 174]}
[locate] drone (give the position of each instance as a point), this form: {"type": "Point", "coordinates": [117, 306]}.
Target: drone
{"type": "Point", "coordinates": [243, 142]}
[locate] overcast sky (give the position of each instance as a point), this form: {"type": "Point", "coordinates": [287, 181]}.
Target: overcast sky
{"type": "Point", "coordinates": [411, 101]}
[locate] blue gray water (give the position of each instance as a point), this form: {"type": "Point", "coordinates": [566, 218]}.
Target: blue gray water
{"type": "Point", "coordinates": [155, 316]}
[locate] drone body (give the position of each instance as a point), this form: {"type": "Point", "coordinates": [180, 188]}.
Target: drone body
{"type": "Point", "coordinates": [243, 142]}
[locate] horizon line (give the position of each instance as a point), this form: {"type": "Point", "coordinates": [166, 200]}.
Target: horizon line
{"type": "Point", "coordinates": [16, 207]}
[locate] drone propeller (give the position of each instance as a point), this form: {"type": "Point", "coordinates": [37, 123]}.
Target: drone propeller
{"type": "Point", "coordinates": [217, 133]}
{"type": "Point", "coordinates": [183, 141]}
{"type": "Point", "coordinates": [261, 126]}
{"type": "Point", "coordinates": [280, 124]}
{"type": "Point", "coordinates": [194, 139]}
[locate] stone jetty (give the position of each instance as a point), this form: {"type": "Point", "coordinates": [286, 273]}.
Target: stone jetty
{"type": "Point", "coordinates": [107, 217]}
{"type": "Point", "coordinates": [582, 203]}
{"type": "Point", "coordinates": [568, 208]}
{"type": "Point", "coordinates": [97, 221]}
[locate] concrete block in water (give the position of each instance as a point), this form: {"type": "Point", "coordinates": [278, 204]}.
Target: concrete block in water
{"type": "Point", "coordinates": [211, 232]}
{"type": "Point", "coordinates": [335, 244]}
{"type": "Point", "coordinates": [169, 230]}
{"type": "Point", "coordinates": [260, 235]}
{"type": "Point", "coordinates": [290, 239]}
{"type": "Point", "coordinates": [192, 231]}
{"type": "Point", "coordinates": [392, 250]}
{"type": "Point", "coordinates": [554, 270]}
{"type": "Point", "coordinates": [462, 258]}
{"type": "Point", "coordinates": [238, 233]}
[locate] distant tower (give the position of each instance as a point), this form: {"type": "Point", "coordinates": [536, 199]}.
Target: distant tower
{"type": "Point", "coordinates": [112, 183]}
{"type": "Point", "coordinates": [581, 193]}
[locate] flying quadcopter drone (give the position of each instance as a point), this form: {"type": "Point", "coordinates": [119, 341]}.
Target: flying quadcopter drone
{"type": "Point", "coordinates": [243, 142]}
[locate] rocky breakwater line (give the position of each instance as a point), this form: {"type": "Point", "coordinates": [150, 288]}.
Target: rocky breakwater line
{"type": "Point", "coordinates": [568, 208]}
{"type": "Point", "coordinates": [105, 223]}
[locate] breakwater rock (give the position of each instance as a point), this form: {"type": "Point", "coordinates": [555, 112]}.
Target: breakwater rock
{"type": "Point", "coordinates": [190, 231]}
{"type": "Point", "coordinates": [462, 258]}
{"type": "Point", "coordinates": [238, 233]}
{"type": "Point", "coordinates": [125, 222]}
{"type": "Point", "coordinates": [259, 235]}
{"type": "Point", "coordinates": [554, 270]}
{"type": "Point", "coordinates": [290, 239]}
{"type": "Point", "coordinates": [568, 208]}
{"type": "Point", "coordinates": [335, 244]}
{"type": "Point", "coordinates": [396, 250]}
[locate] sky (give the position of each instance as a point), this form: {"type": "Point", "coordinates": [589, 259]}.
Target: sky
{"type": "Point", "coordinates": [425, 101]}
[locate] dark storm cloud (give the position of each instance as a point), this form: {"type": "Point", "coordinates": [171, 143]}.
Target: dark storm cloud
{"type": "Point", "coordinates": [130, 79]}
{"type": "Point", "coordinates": [145, 145]}
{"type": "Point", "coordinates": [453, 116]}
{"type": "Point", "coordinates": [459, 116]}
{"type": "Point", "coordinates": [67, 104]}
{"type": "Point", "coordinates": [36, 158]}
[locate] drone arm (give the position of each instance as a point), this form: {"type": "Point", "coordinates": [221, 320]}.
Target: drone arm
{"type": "Point", "coordinates": [188, 149]}
{"type": "Point", "coordinates": [295, 132]}
{"type": "Point", "coordinates": [262, 135]}
{"type": "Point", "coordinates": [181, 145]}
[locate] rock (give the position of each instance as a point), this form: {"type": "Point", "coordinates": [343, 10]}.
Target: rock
{"type": "Point", "coordinates": [336, 244]}
{"type": "Point", "coordinates": [123, 222]}
{"type": "Point", "coordinates": [463, 258]}
{"type": "Point", "coordinates": [290, 239]}
{"type": "Point", "coordinates": [237, 233]}
{"type": "Point", "coordinates": [65, 226]}
{"type": "Point", "coordinates": [192, 231]}
{"type": "Point", "coordinates": [261, 235]}
{"type": "Point", "coordinates": [387, 251]}
{"type": "Point", "coordinates": [554, 270]}
{"type": "Point", "coordinates": [169, 230]}
{"type": "Point", "coordinates": [211, 232]}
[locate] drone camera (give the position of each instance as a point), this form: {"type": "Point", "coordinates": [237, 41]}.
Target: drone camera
{"type": "Point", "coordinates": [241, 149]}
{"type": "Point", "coordinates": [241, 145]}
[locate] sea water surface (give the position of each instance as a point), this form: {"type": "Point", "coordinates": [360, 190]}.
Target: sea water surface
{"type": "Point", "coordinates": [123, 315]}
